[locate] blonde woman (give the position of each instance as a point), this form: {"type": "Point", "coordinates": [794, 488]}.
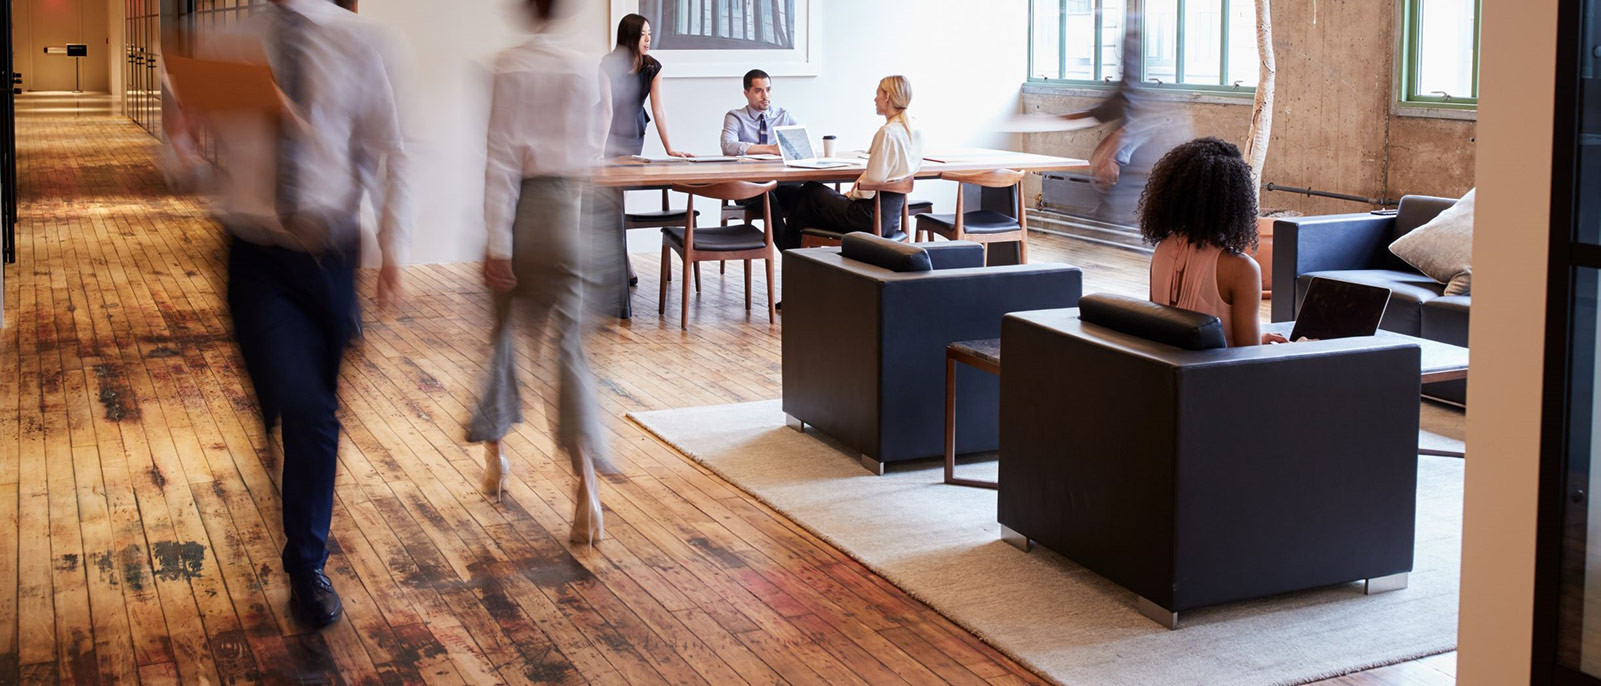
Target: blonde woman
{"type": "Point", "coordinates": [897, 152]}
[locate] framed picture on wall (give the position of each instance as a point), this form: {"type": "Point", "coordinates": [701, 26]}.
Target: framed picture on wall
{"type": "Point", "coordinates": [698, 38]}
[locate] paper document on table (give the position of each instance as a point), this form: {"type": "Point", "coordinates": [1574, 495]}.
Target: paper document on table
{"type": "Point", "coordinates": [765, 156]}
{"type": "Point", "coordinates": [653, 160]}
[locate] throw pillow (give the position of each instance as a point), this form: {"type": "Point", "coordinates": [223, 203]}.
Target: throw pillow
{"type": "Point", "coordinates": [1443, 248]}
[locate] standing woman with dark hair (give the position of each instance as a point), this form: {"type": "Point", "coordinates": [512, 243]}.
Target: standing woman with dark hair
{"type": "Point", "coordinates": [1199, 210]}
{"type": "Point", "coordinates": [634, 75]}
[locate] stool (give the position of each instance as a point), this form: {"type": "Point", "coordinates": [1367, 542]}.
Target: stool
{"type": "Point", "coordinates": [984, 355]}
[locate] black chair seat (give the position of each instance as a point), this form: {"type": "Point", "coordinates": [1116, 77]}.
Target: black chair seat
{"type": "Point", "coordinates": [833, 235]}
{"type": "Point", "coordinates": [919, 207]}
{"type": "Point", "coordinates": [977, 221]}
{"type": "Point", "coordinates": [657, 216]}
{"type": "Point", "coordinates": [719, 238]}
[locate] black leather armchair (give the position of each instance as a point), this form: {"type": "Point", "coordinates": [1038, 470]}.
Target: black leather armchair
{"type": "Point", "coordinates": [1200, 477]}
{"type": "Point", "coordinates": [864, 344]}
{"type": "Point", "coordinates": [1356, 247]}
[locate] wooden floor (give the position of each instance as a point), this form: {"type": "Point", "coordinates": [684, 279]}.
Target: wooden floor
{"type": "Point", "coordinates": [139, 519]}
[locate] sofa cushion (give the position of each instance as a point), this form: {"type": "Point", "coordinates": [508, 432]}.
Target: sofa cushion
{"type": "Point", "coordinates": [954, 254]}
{"type": "Point", "coordinates": [883, 252]}
{"type": "Point", "coordinates": [1443, 248]}
{"type": "Point", "coordinates": [1446, 319]}
{"type": "Point", "coordinates": [1417, 210]}
{"type": "Point", "coordinates": [1408, 292]}
{"type": "Point", "coordinates": [1173, 326]}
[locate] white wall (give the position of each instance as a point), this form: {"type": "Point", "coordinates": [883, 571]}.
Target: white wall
{"type": "Point", "coordinates": [966, 61]}
{"type": "Point", "coordinates": [1509, 257]}
{"type": "Point", "coordinates": [38, 24]}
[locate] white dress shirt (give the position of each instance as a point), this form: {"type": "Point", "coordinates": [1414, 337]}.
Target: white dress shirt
{"type": "Point", "coordinates": [548, 118]}
{"type": "Point", "coordinates": [897, 152]}
{"type": "Point", "coordinates": [351, 140]}
{"type": "Point", "coordinates": [742, 127]}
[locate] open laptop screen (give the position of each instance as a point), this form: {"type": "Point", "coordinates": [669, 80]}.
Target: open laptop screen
{"type": "Point", "coordinates": [1340, 309]}
{"type": "Point", "coordinates": [794, 143]}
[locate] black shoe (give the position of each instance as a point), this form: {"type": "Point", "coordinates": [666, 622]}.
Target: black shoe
{"type": "Point", "coordinates": [633, 281]}
{"type": "Point", "coordinates": [779, 306]}
{"type": "Point", "coordinates": [314, 597]}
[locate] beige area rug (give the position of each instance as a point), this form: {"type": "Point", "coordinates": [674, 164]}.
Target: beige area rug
{"type": "Point", "coordinates": [942, 545]}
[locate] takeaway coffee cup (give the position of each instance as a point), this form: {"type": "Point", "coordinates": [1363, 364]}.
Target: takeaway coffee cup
{"type": "Point", "coordinates": [828, 146]}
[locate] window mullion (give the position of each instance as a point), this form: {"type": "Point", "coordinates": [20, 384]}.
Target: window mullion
{"type": "Point", "coordinates": [1478, 14]}
{"type": "Point", "coordinates": [1178, 47]}
{"type": "Point", "coordinates": [1061, 39]}
{"type": "Point", "coordinates": [1095, 72]}
{"type": "Point", "coordinates": [1223, 47]}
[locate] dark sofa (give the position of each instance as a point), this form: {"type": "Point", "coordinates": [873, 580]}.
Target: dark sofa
{"type": "Point", "coordinates": [865, 330]}
{"type": "Point", "coordinates": [1200, 477]}
{"type": "Point", "coordinates": [1356, 247]}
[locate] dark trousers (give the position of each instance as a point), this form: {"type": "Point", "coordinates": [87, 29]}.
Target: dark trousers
{"type": "Point", "coordinates": [291, 317]}
{"type": "Point", "coordinates": [816, 206]}
{"type": "Point", "coordinates": [785, 192]}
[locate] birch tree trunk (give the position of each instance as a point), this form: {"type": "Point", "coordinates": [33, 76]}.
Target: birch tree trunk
{"type": "Point", "coordinates": [1262, 112]}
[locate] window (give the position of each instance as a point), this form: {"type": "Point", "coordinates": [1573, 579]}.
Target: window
{"type": "Point", "coordinates": [1192, 44]}
{"type": "Point", "coordinates": [1077, 40]}
{"type": "Point", "coordinates": [1441, 53]}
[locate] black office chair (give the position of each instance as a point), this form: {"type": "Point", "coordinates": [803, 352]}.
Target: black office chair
{"type": "Point", "coordinates": [663, 218]}
{"type": "Point", "coordinates": [980, 226]}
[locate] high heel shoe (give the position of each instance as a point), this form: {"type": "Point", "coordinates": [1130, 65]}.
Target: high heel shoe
{"type": "Point", "coordinates": [589, 525]}
{"type": "Point", "coordinates": [496, 469]}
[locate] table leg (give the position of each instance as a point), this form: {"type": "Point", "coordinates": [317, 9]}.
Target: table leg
{"type": "Point", "coordinates": [950, 419]}
{"type": "Point", "coordinates": [611, 239]}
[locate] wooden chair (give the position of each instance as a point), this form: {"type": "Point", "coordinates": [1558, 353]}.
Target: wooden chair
{"type": "Point", "coordinates": [665, 217]}
{"type": "Point", "coordinates": [736, 242]}
{"type": "Point", "coordinates": [814, 237]}
{"type": "Point", "coordinates": [981, 226]}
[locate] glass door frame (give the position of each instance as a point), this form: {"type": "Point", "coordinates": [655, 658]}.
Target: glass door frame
{"type": "Point", "coordinates": [1569, 369]}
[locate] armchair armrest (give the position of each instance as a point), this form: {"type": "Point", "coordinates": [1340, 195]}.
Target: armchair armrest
{"type": "Point", "coordinates": [1311, 244]}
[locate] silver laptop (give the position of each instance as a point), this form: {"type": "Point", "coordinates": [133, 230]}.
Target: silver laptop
{"type": "Point", "coordinates": [796, 148]}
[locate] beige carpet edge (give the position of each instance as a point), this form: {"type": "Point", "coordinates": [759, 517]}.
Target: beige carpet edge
{"type": "Point", "coordinates": [892, 578]}
{"type": "Point", "coordinates": [977, 632]}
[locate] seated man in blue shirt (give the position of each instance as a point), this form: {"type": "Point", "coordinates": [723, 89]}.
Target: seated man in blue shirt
{"type": "Point", "coordinates": [749, 131]}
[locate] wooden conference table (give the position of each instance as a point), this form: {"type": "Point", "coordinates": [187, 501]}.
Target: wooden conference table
{"type": "Point", "coordinates": [636, 175]}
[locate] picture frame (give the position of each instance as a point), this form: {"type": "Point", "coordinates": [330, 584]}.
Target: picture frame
{"type": "Point", "coordinates": [705, 38]}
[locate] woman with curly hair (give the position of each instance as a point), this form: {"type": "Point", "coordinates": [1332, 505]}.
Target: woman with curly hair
{"type": "Point", "coordinates": [1199, 210]}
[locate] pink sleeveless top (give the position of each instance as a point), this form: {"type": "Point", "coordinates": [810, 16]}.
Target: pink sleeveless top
{"type": "Point", "coordinates": [1184, 275]}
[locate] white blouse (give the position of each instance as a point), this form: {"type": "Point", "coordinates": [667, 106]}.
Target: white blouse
{"type": "Point", "coordinates": [897, 152]}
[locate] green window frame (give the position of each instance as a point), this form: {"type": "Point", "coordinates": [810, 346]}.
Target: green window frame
{"type": "Point", "coordinates": [1411, 52]}
{"type": "Point", "coordinates": [1101, 78]}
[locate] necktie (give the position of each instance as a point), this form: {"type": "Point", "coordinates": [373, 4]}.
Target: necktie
{"type": "Point", "coordinates": [291, 78]}
{"type": "Point", "coordinates": [761, 129]}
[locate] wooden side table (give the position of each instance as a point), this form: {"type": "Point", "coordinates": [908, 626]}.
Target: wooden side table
{"type": "Point", "coordinates": [984, 355]}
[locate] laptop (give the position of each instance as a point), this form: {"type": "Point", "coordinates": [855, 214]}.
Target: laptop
{"type": "Point", "coordinates": [796, 148]}
{"type": "Point", "coordinates": [1339, 309]}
